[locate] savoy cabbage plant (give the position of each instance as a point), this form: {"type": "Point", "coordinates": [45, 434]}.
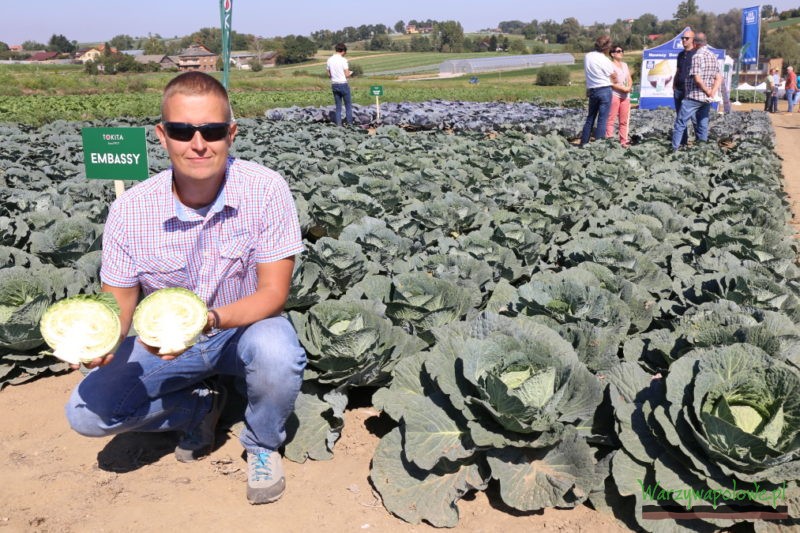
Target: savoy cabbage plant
{"type": "Point", "coordinates": [348, 344]}
{"type": "Point", "coordinates": [724, 419]}
{"type": "Point", "coordinates": [497, 398]}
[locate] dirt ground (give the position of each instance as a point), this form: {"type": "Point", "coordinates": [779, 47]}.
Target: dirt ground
{"type": "Point", "coordinates": [53, 480]}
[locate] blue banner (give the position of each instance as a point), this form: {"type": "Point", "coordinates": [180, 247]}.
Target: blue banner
{"type": "Point", "coordinates": [751, 31]}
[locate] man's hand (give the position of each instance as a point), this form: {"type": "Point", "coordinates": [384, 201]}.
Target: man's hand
{"type": "Point", "coordinates": [154, 350]}
{"type": "Point", "coordinates": [96, 362]}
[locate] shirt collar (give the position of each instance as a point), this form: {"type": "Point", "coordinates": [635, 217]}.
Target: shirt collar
{"type": "Point", "coordinates": [180, 212]}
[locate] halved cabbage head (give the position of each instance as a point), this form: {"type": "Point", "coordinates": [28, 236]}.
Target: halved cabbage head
{"type": "Point", "coordinates": [83, 327]}
{"type": "Point", "coordinates": [170, 319]}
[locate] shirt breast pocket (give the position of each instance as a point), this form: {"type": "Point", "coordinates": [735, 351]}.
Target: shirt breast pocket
{"type": "Point", "coordinates": [160, 272]}
{"type": "Point", "coordinates": [235, 258]}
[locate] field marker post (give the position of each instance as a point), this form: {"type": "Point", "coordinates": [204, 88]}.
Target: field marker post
{"type": "Point", "coordinates": [377, 92]}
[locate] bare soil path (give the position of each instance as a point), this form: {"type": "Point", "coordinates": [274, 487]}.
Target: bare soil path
{"type": "Point", "coordinates": [787, 146]}
{"type": "Point", "coordinates": [53, 480]}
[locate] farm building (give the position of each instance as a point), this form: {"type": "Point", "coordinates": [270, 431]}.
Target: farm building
{"type": "Point", "coordinates": [488, 64]}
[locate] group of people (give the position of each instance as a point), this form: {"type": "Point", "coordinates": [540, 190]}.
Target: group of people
{"type": "Point", "coordinates": [696, 83]}
{"type": "Point", "coordinates": [773, 82]}
{"type": "Point", "coordinates": [608, 86]}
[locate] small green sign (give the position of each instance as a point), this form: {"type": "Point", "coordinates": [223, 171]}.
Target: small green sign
{"type": "Point", "coordinates": [634, 98]}
{"type": "Point", "coordinates": [376, 90]}
{"type": "Point", "coordinates": [115, 153]}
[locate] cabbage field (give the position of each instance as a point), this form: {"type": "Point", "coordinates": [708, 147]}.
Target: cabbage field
{"type": "Point", "coordinates": [560, 326]}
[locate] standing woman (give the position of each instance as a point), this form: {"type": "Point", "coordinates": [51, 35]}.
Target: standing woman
{"type": "Point", "coordinates": [791, 88]}
{"type": "Point", "coordinates": [620, 101]}
{"type": "Point", "coordinates": [599, 76]}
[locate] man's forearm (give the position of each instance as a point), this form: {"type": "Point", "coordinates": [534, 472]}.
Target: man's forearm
{"type": "Point", "coordinates": [274, 282]}
{"type": "Point", "coordinates": [127, 298]}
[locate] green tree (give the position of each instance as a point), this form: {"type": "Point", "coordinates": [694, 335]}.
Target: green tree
{"type": "Point", "coordinates": [645, 25]}
{"type": "Point", "coordinates": [517, 46]}
{"type": "Point", "coordinates": [122, 42]}
{"type": "Point", "coordinates": [728, 31]}
{"type": "Point", "coordinates": [512, 26]}
{"type": "Point", "coordinates": [400, 26]}
{"type": "Point", "coordinates": [450, 36]}
{"type": "Point", "coordinates": [60, 44]}
{"type": "Point", "coordinates": [3, 47]}
{"type": "Point", "coordinates": [211, 38]}
{"type": "Point", "coordinates": [538, 48]}
{"type": "Point", "coordinates": [635, 42]}
{"type": "Point", "coordinates": [420, 44]}
{"type": "Point", "coordinates": [399, 46]}
{"type": "Point", "coordinates": [256, 65]}
{"type": "Point", "coordinates": [570, 30]}
{"type": "Point", "coordinates": [531, 30]}
{"type": "Point", "coordinates": [33, 45]}
{"type": "Point", "coordinates": [124, 63]}
{"type": "Point", "coordinates": [552, 75]}
{"type": "Point", "coordinates": [783, 43]}
{"type": "Point", "coordinates": [90, 67]}
{"type": "Point", "coordinates": [380, 41]}
{"type": "Point", "coordinates": [296, 49]}
{"type": "Point", "coordinates": [492, 43]}
{"type": "Point", "coordinates": [550, 29]}
{"type": "Point", "coordinates": [325, 39]}
{"type": "Point", "coordinates": [686, 9]}
{"type": "Point", "coordinates": [154, 46]}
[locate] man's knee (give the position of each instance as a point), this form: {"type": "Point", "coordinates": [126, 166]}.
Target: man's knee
{"type": "Point", "coordinates": [272, 342]}
{"type": "Point", "coordinates": [82, 420]}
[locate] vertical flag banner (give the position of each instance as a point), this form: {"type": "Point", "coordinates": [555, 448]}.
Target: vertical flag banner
{"type": "Point", "coordinates": [225, 13]}
{"type": "Point", "coordinates": [751, 31]}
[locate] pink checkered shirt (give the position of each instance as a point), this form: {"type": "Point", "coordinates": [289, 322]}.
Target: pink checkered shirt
{"type": "Point", "coordinates": [152, 240]}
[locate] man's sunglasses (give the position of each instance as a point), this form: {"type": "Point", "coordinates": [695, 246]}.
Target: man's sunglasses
{"type": "Point", "coordinates": [616, 51]}
{"type": "Point", "coordinates": [686, 38]}
{"type": "Point", "coordinates": [183, 131]}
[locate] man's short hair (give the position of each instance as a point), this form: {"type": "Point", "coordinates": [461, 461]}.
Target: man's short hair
{"type": "Point", "coordinates": [195, 83]}
{"type": "Point", "coordinates": [700, 38]}
{"type": "Point", "coordinates": [340, 47]}
{"type": "Point", "coordinates": [602, 43]}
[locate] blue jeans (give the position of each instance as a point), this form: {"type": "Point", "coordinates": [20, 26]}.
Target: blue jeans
{"type": "Point", "coordinates": [678, 96]}
{"type": "Point", "coordinates": [791, 98]}
{"type": "Point", "coordinates": [691, 110]}
{"type": "Point", "coordinates": [138, 391]}
{"type": "Point", "coordinates": [599, 106]}
{"type": "Point", "coordinates": [341, 91]}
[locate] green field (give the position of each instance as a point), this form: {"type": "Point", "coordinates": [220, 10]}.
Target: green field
{"type": "Point", "coordinates": [35, 94]}
{"type": "Point", "coordinates": [783, 23]}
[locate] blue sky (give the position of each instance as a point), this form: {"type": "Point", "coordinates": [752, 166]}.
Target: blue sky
{"type": "Point", "coordinates": [100, 20]}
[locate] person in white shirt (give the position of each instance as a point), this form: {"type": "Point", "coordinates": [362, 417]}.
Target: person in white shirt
{"type": "Point", "coordinates": [599, 71]}
{"type": "Point", "coordinates": [339, 71]}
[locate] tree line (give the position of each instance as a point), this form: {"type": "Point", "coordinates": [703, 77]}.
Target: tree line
{"type": "Point", "coordinates": [724, 31]}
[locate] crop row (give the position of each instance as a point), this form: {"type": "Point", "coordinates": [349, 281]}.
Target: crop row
{"type": "Point", "coordinates": [566, 324]}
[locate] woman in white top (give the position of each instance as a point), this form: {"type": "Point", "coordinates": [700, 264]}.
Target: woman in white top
{"type": "Point", "coordinates": [620, 101]}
